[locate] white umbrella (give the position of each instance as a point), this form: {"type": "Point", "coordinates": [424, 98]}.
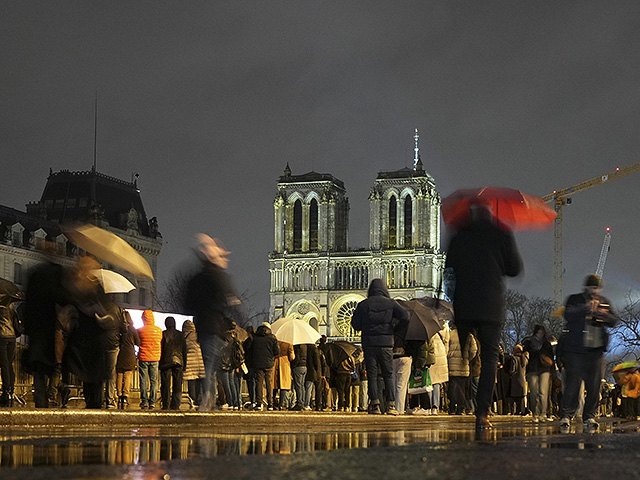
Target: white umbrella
{"type": "Point", "coordinates": [294, 331]}
{"type": "Point", "coordinates": [113, 282]}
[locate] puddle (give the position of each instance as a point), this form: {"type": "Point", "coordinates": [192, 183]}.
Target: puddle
{"type": "Point", "coordinates": [571, 445]}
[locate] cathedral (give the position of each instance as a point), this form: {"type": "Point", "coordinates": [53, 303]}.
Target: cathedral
{"type": "Point", "coordinates": [317, 277]}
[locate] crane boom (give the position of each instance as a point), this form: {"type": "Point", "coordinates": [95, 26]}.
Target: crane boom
{"type": "Point", "coordinates": [561, 198]}
{"type": "Point", "coordinates": [603, 254]}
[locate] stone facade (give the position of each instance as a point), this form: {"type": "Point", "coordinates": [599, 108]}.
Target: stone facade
{"type": "Point", "coordinates": [316, 277]}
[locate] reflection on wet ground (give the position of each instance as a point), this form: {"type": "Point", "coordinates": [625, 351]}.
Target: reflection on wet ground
{"type": "Point", "coordinates": [127, 446]}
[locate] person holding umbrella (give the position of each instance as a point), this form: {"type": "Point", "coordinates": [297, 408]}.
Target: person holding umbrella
{"type": "Point", "coordinates": [481, 254]}
{"type": "Point", "coordinates": [379, 317]}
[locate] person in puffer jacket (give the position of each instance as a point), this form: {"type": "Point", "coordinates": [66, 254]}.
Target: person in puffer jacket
{"type": "Point", "coordinates": [379, 318]}
{"type": "Point", "coordinates": [148, 359]}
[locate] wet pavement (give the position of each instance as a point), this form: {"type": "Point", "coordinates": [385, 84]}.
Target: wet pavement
{"type": "Point", "coordinates": [49, 444]}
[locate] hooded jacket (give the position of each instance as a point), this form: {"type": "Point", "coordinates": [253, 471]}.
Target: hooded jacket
{"type": "Point", "coordinates": [173, 346]}
{"type": "Point", "coordinates": [379, 317]}
{"type": "Point", "coordinates": [264, 348]}
{"type": "Point", "coordinates": [150, 339]}
{"type": "Point", "coordinates": [577, 314]}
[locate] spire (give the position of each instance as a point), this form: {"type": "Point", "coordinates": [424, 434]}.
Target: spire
{"type": "Point", "coordinates": [416, 150]}
{"type": "Point", "coordinates": [287, 171]}
{"type": "Point", "coordinates": [95, 134]}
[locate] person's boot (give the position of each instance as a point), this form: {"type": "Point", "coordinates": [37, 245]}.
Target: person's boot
{"type": "Point", "coordinates": [4, 399]}
{"type": "Point", "coordinates": [120, 403]}
{"type": "Point", "coordinates": [125, 402]}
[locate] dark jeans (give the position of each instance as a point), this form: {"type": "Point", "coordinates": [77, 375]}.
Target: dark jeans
{"type": "Point", "coordinates": [458, 401]}
{"type": "Point", "coordinates": [380, 358]}
{"type": "Point", "coordinates": [7, 354]}
{"type": "Point", "coordinates": [171, 377]}
{"type": "Point", "coordinates": [578, 367]}
{"type": "Point", "coordinates": [299, 374]}
{"type": "Point", "coordinates": [230, 387]}
{"type": "Point", "coordinates": [195, 390]}
{"type": "Point", "coordinates": [343, 384]}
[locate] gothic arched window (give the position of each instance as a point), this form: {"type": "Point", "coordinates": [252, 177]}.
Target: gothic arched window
{"type": "Point", "coordinates": [297, 226]}
{"type": "Point", "coordinates": [408, 221]}
{"type": "Point", "coordinates": [393, 223]}
{"type": "Point", "coordinates": [313, 225]}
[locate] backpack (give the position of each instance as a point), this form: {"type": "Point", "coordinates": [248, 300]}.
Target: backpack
{"type": "Point", "coordinates": [237, 353]}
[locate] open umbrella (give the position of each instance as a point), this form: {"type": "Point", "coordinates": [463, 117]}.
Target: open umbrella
{"type": "Point", "coordinates": [516, 209]}
{"type": "Point", "coordinates": [423, 321]}
{"type": "Point", "coordinates": [294, 331]}
{"type": "Point", "coordinates": [113, 282]}
{"type": "Point", "coordinates": [340, 350]}
{"type": "Point", "coordinates": [626, 366]}
{"type": "Point", "coordinates": [443, 309]}
{"type": "Point", "coordinates": [109, 247]}
{"type": "Point", "coordinates": [9, 293]}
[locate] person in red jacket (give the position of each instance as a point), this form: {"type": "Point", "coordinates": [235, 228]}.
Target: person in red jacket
{"type": "Point", "coordinates": [148, 359]}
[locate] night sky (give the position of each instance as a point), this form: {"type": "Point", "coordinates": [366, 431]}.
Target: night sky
{"type": "Point", "coordinates": [208, 100]}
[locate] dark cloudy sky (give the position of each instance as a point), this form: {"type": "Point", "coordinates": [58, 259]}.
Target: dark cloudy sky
{"type": "Point", "coordinates": [208, 101]}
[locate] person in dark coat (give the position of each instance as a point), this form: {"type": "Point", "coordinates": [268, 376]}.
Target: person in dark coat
{"type": "Point", "coordinates": [233, 356]}
{"type": "Point", "coordinates": [173, 361]}
{"type": "Point", "coordinates": [8, 334]}
{"type": "Point", "coordinates": [299, 374]}
{"type": "Point", "coordinates": [211, 299]}
{"type": "Point", "coordinates": [480, 255]}
{"type": "Point", "coordinates": [539, 370]}
{"type": "Point", "coordinates": [127, 362]}
{"type": "Point", "coordinates": [264, 349]}
{"type": "Point", "coordinates": [114, 327]}
{"type": "Point", "coordinates": [43, 294]}
{"type": "Point", "coordinates": [584, 342]}
{"type": "Point", "coordinates": [379, 318]}
{"type": "Point", "coordinates": [516, 367]}
{"type": "Point", "coordinates": [250, 376]}
{"type": "Point", "coordinates": [313, 377]}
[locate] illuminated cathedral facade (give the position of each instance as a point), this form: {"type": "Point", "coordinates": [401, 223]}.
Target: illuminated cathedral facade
{"type": "Point", "coordinates": [317, 277]}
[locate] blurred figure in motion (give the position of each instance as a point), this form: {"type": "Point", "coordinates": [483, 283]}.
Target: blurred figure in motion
{"type": "Point", "coordinates": [481, 254]}
{"type": "Point", "coordinates": [211, 299]}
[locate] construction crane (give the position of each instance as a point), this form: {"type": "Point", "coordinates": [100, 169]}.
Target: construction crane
{"type": "Point", "coordinates": [606, 243]}
{"type": "Point", "coordinates": [559, 198]}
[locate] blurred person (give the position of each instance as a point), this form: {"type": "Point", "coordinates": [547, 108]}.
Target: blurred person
{"type": "Point", "coordinates": [194, 372]}
{"type": "Point", "coordinates": [148, 359]}
{"type": "Point", "coordinates": [585, 339]}
{"type": "Point", "coordinates": [211, 299]}
{"type": "Point", "coordinates": [379, 318]}
{"type": "Point", "coordinates": [9, 330]}
{"type": "Point", "coordinates": [114, 327]}
{"type": "Point", "coordinates": [539, 368]}
{"type": "Point", "coordinates": [127, 362]}
{"type": "Point", "coordinates": [282, 374]}
{"type": "Point", "coordinates": [264, 350]}
{"type": "Point", "coordinates": [480, 255]}
{"type": "Point", "coordinates": [173, 361]}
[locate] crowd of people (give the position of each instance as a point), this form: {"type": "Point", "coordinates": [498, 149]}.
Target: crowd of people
{"type": "Point", "coordinates": [76, 330]}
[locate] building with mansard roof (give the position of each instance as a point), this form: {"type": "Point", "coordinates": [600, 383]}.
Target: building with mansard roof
{"type": "Point", "coordinates": [316, 276]}
{"type": "Point", "coordinates": [31, 237]}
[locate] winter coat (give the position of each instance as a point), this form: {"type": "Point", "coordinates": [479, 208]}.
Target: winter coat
{"type": "Point", "coordinates": [516, 366]}
{"type": "Point", "coordinates": [439, 346]}
{"type": "Point", "coordinates": [314, 368]}
{"type": "Point", "coordinates": [458, 361]}
{"type": "Point", "coordinates": [113, 326]}
{"type": "Point", "coordinates": [195, 363]}
{"type": "Point", "coordinates": [282, 367]}
{"type": "Point", "coordinates": [378, 317]}
{"type": "Point", "coordinates": [232, 354]}
{"type": "Point", "coordinates": [127, 354]}
{"type": "Point", "coordinates": [535, 349]}
{"type": "Point", "coordinates": [7, 315]}
{"type": "Point", "coordinates": [150, 341]}
{"type": "Point", "coordinates": [264, 348]}
{"type": "Point", "coordinates": [207, 299]}
{"type": "Point", "coordinates": [173, 349]}
{"type": "Point", "coordinates": [577, 308]}
{"type": "Point", "coordinates": [301, 356]}
{"type": "Point", "coordinates": [481, 254]}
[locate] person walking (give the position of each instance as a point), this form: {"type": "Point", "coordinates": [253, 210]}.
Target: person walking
{"type": "Point", "coordinates": [480, 255]}
{"type": "Point", "coordinates": [194, 372]}
{"type": "Point", "coordinates": [211, 299]}
{"type": "Point", "coordinates": [379, 318]}
{"type": "Point", "coordinates": [148, 360]}
{"type": "Point", "coordinates": [539, 368]}
{"type": "Point", "coordinates": [173, 361]}
{"type": "Point", "coordinates": [126, 363]}
{"type": "Point", "coordinates": [585, 339]}
{"type": "Point", "coordinates": [264, 350]}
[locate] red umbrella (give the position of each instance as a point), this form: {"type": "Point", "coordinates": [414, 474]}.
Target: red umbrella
{"type": "Point", "coordinates": [513, 208]}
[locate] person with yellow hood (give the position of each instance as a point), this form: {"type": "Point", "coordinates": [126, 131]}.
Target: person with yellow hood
{"type": "Point", "coordinates": [148, 360]}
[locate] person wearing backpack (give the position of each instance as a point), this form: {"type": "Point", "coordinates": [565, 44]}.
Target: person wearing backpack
{"type": "Point", "coordinates": [232, 358]}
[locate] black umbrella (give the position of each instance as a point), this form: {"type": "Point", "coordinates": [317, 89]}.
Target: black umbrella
{"type": "Point", "coordinates": [9, 292]}
{"type": "Point", "coordinates": [341, 350]}
{"type": "Point", "coordinates": [443, 309]}
{"type": "Point", "coordinates": [423, 321]}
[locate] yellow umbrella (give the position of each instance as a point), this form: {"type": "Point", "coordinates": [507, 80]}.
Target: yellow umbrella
{"type": "Point", "coordinates": [109, 247]}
